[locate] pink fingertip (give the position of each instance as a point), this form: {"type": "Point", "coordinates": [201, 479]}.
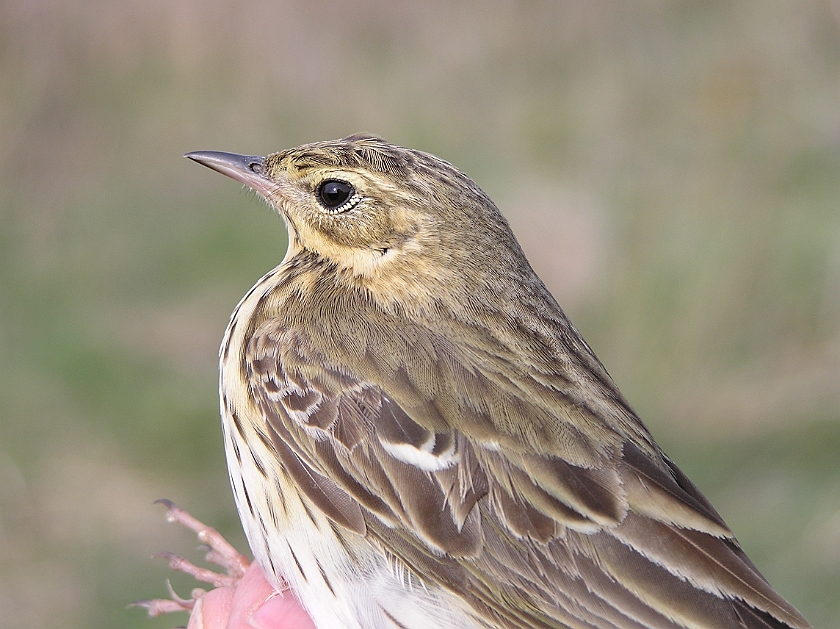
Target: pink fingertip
{"type": "Point", "coordinates": [281, 612]}
{"type": "Point", "coordinates": [212, 610]}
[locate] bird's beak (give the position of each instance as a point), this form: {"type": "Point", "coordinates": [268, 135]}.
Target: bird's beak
{"type": "Point", "coordinates": [249, 169]}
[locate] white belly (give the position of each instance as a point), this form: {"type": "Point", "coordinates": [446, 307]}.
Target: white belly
{"type": "Point", "coordinates": [361, 589]}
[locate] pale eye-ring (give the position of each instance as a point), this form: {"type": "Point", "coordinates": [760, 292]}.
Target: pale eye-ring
{"type": "Point", "coordinates": [334, 193]}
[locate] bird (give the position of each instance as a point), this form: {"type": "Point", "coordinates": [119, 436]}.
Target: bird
{"type": "Point", "coordinates": [417, 436]}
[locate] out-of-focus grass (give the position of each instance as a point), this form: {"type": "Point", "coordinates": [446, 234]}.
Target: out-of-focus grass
{"type": "Point", "coordinates": [672, 169]}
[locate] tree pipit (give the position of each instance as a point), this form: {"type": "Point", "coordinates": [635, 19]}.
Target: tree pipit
{"type": "Point", "coordinates": [419, 438]}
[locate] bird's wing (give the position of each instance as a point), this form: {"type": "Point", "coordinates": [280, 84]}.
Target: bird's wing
{"type": "Point", "coordinates": [566, 531]}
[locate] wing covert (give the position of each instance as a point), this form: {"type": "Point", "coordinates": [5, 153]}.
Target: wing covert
{"type": "Point", "coordinates": [592, 545]}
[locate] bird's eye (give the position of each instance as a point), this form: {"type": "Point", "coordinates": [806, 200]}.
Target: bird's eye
{"type": "Point", "coordinates": [334, 193]}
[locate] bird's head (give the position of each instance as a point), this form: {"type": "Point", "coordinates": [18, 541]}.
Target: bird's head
{"type": "Point", "coordinates": [386, 216]}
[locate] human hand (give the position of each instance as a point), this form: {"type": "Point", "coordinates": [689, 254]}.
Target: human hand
{"type": "Point", "coordinates": [251, 604]}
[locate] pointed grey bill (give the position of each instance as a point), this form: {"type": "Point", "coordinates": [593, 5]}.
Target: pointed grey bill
{"type": "Point", "coordinates": [248, 169]}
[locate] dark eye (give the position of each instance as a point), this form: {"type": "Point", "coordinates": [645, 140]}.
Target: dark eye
{"type": "Point", "coordinates": [334, 193]}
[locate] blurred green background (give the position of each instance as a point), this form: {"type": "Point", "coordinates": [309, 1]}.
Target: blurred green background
{"type": "Point", "coordinates": [672, 169]}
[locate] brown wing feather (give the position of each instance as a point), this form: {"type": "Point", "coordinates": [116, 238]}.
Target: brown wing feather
{"type": "Point", "coordinates": [607, 539]}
